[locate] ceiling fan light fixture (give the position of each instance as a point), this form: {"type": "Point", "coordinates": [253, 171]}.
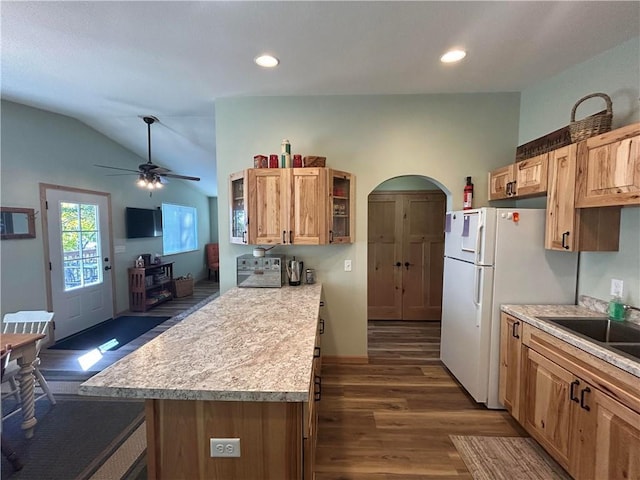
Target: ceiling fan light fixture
{"type": "Point", "coordinates": [454, 55]}
{"type": "Point", "coordinates": [266, 61]}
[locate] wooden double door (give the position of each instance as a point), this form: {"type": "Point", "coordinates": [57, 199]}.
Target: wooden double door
{"type": "Point", "coordinates": [405, 255]}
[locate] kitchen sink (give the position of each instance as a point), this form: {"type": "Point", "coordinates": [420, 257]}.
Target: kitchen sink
{"type": "Point", "coordinates": [599, 329]}
{"type": "Point", "coordinates": [631, 349]}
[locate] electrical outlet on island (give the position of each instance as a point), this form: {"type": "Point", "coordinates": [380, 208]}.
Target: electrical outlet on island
{"type": "Point", "coordinates": [616, 287]}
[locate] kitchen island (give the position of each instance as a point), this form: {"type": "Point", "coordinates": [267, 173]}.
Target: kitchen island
{"type": "Point", "coordinates": [243, 366]}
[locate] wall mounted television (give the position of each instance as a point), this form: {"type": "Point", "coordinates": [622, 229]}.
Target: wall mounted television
{"type": "Point", "coordinates": [143, 222]}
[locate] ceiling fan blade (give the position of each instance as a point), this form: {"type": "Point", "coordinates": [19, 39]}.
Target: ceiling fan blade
{"type": "Point", "coordinates": [183, 177]}
{"type": "Point", "coordinates": [158, 170]}
{"type": "Point", "coordinates": [116, 168]}
{"type": "Point", "coordinates": [120, 174]}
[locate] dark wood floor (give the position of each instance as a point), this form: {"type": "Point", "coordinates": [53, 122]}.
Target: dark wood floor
{"type": "Point", "coordinates": [391, 419]}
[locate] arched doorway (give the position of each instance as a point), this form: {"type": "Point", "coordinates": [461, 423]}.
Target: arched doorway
{"type": "Point", "coordinates": [405, 249]}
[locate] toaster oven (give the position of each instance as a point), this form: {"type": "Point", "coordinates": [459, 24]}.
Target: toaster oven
{"type": "Point", "coordinates": [261, 272]}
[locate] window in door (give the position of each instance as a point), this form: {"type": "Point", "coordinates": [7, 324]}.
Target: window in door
{"type": "Point", "coordinates": [81, 249]}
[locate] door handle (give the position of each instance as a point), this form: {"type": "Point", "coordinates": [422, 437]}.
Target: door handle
{"type": "Point", "coordinates": [330, 236]}
{"type": "Point", "coordinates": [508, 189]}
{"type": "Point", "coordinates": [514, 333]}
{"type": "Point", "coordinates": [317, 388]}
{"type": "Point", "coordinates": [565, 235]}
{"type": "Point", "coordinates": [244, 236]}
{"type": "Point", "coordinates": [407, 265]}
{"type": "Point", "coordinates": [582, 402]}
{"type": "Point", "coordinates": [572, 395]}
{"type": "Point", "coordinates": [284, 236]}
{"type": "Point", "coordinates": [107, 268]}
{"type": "Point", "coordinates": [476, 291]}
{"type": "Point", "coordinates": [291, 236]}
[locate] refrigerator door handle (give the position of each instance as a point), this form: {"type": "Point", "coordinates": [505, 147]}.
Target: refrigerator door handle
{"type": "Point", "coordinates": [478, 241]}
{"type": "Point", "coordinates": [476, 290]}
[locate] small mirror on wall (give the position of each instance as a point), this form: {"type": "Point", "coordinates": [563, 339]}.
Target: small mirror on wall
{"type": "Point", "coordinates": [17, 223]}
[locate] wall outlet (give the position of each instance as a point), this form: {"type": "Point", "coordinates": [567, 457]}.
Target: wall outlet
{"type": "Point", "coordinates": [347, 265]}
{"type": "Point", "coordinates": [616, 287]}
{"type": "Point", "coordinates": [225, 447]}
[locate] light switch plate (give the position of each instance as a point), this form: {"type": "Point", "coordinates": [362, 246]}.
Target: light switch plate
{"type": "Point", "coordinates": [347, 265]}
{"type": "Point", "coordinates": [616, 287]}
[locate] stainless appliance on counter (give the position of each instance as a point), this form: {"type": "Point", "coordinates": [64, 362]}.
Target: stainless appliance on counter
{"type": "Point", "coordinates": [261, 272]}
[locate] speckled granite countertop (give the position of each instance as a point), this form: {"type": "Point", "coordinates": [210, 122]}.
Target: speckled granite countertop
{"type": "Point", "coordinates": [531, 313]}
{"type": "Point", "coordinates": [250, 344]}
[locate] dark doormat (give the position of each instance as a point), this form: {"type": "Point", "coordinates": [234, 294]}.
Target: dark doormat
{"type": "Point", "coordinates": [122, 329]}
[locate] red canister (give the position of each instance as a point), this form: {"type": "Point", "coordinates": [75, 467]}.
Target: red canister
{"type": "Point", "coordinates": [273, 161]}
{"type": "Point", "coordinates": [297, 161]}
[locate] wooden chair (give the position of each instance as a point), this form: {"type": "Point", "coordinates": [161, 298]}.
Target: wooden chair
{"type": "Point", "coordinates": [213, 259]}
{"type": "Point", "coordinates": [35, 321]}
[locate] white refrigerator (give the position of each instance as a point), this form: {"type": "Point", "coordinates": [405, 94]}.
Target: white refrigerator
{"type": "Point", "coordinates": [494, 256]}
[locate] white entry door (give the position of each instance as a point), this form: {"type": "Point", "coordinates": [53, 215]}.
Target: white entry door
{"type": "Point", "coordinates": [80, 259]}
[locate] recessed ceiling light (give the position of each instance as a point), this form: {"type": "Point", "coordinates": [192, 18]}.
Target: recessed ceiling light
{"type": "Point", "coordinates": [453, 56]}
{"type": "Point", "coordinates": [267, 61]}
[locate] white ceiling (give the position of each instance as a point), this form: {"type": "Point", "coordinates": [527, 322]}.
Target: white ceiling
{"type": "Point", "coordinates": [108, 63]}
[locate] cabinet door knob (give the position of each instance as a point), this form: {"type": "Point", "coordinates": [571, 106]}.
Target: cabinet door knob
{"type": "Point", "coordinates": [398, 264]}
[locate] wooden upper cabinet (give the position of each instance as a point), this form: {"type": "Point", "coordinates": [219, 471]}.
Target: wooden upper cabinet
{"type": "Point", "coordinates": [522, 179]}
{"type": "Point", "coordinates": [561, 218]}
{"type": "Point", "coordinates": [531, 176]}
{"type": "Point", "coordinates": [609, 168]}
{"type": "Point", "coordinates": [501, 181]}
{"type": "Point", "coordinates": [283, 206]}
{"type": "Point", "coordinates": [570, 229]}
{"type": "Point", "coordinates": [341, 213]}
{"type": "Point", "coordinates": [269, 194]}
{"type": "Point", "coordinates": [307, 207]}
{"type": "Point", "coordinates": [238, 206]}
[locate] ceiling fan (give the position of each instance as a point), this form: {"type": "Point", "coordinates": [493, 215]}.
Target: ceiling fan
{"type": "Point", "coordinates": [149, 175]}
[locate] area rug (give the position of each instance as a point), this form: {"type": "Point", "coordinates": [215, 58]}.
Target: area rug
{"type": "Point", "coordinates": [507, 458]}
{"type": "Point", "coordinates": [72, 438]}
{"type": "Point", "coordinates": [122, 329]}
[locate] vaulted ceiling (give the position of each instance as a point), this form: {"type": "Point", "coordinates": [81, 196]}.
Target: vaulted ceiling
{"type": "Point", "coordinates": [109, 63]}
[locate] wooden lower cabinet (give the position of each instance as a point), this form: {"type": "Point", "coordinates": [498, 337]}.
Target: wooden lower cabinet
{"type": "Point", "coordinates": [607, 443]}
{"type": "Point", "coordinates": [179, 433]}
{"type": "Point", "coordinates": [548, 410]}
{"type": "Point", "coordinates": [510, 364]}
{"type": "Point", "coordinates": [567, 404]}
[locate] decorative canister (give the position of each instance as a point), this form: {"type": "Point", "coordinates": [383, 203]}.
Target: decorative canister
{"type": "Point", "coordinates": [297, 161]}
{"type": "Point", "coordinates": [273, 161]}
{"type": "Point", "coordinates": [310, 276]}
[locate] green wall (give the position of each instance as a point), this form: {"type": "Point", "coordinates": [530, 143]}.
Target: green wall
{"type": "Point", "coordinates": [444, 138]}
{"type": "Point", "coordinates": [546, 107]}
{"type": "Point", "coordinates": [43, 147]}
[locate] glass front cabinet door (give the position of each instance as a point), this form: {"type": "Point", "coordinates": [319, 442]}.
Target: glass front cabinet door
{"type": "Point", "coordinates": [238, 189]}
{"type": "Point", "coordinates": [341, 214]}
